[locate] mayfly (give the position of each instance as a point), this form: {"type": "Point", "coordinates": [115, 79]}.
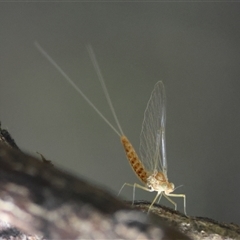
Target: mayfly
{"type": "Point", "coordinates": [152, 168]}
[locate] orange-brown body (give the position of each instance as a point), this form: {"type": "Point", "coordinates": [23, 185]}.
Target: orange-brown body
{"type": "Point", "coordinates": [134, 160]}
{"type": "Point", "coordinates": [155, 181]}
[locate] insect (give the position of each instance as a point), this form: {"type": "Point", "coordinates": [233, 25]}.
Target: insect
{"type": "Point", "coordinates": [152, 168]}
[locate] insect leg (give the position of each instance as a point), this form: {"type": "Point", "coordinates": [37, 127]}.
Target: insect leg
{"type": "Point", "coordinates": [177, 195]}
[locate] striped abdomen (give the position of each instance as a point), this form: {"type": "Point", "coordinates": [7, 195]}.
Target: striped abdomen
{"type": "Point", "coordinates": [134, 159]}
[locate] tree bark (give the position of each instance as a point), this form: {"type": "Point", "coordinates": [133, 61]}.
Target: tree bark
{"type": "Point", "coordinates": [39, 201]}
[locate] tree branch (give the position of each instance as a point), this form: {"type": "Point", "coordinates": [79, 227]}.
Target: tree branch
{"type": "Point", "coordinates": [48, 203]}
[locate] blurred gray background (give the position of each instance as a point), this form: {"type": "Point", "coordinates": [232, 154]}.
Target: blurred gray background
{"type": "Point", "coordinates": [193, 47]}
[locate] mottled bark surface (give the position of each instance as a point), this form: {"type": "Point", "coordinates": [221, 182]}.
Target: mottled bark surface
{"type": "Point", "coordinates": [38, 201]}
{"type": "Point", "coordinates": [194, 227]}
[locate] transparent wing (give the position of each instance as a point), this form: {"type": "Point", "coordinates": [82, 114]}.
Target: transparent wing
{"type": "Point", "coordinates": [152, 138]}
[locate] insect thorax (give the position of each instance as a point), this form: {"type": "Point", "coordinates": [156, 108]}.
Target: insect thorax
{"type": "Point", "coordinates": [157, 181]}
